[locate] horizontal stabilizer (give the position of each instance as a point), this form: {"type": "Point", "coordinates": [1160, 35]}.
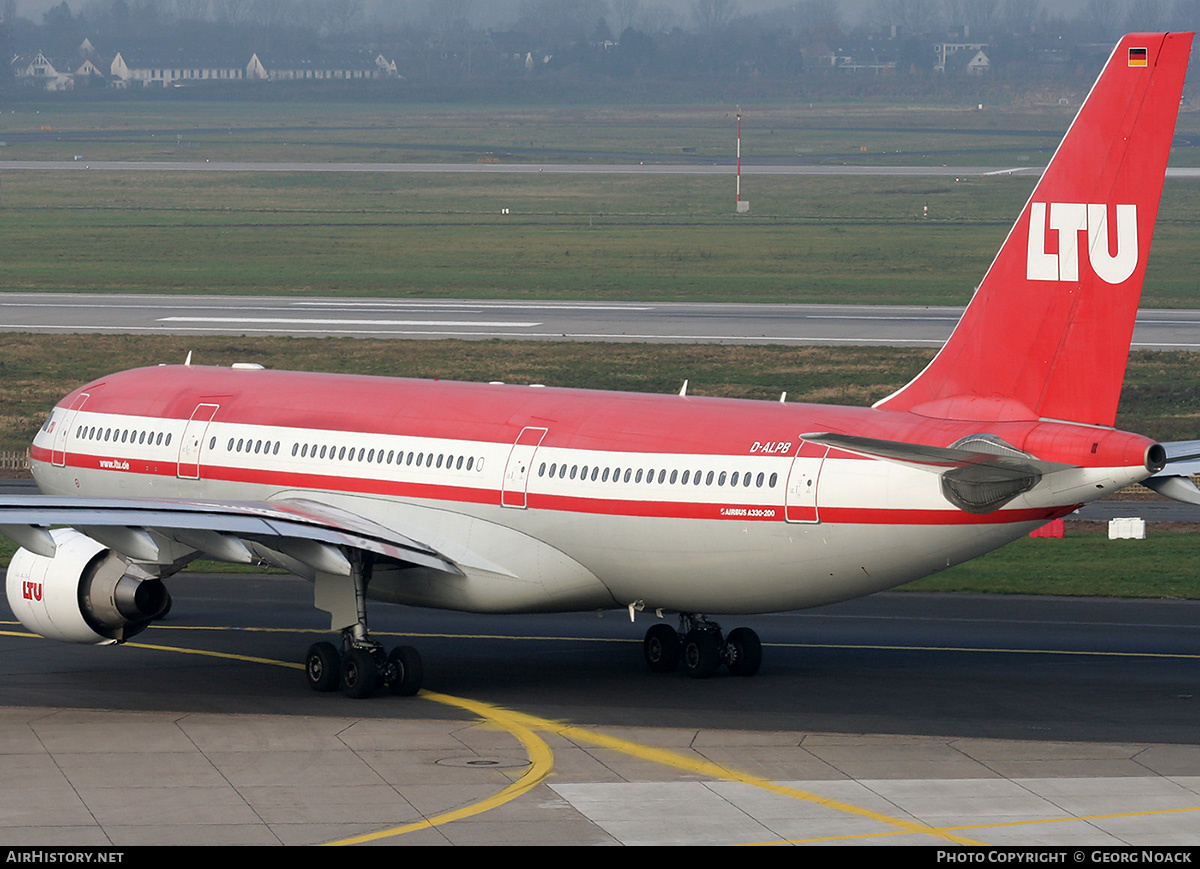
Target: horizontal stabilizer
{"type": "Point", "coordinates": [1175, 487]}
{"type": "Point", "coordinates": [938, 458]}
{"type": "Point", "coordinates": [980, 473]}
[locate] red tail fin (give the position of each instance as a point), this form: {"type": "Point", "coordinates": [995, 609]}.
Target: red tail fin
{"type": "Point", "coordinates": [1047, 333]}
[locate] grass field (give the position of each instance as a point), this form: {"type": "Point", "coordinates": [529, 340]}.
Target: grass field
{"type": "Point", "coordinates": [575, 237]}
{"type": "Point", "coordinates": [865, 131]}
{"type": "Point", "coordinates": [1082, 563]}
{"type": "Point", "coordinates": [566, 237]}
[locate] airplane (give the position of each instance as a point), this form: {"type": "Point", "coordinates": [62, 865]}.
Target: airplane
{"type": "Point", "coordinates": [499, 498]}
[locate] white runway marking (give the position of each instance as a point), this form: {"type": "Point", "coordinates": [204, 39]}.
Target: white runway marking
{"type": "Point", "coordinates": [320, 322]}
{"type": "Point", "coordinates": [471, 306]}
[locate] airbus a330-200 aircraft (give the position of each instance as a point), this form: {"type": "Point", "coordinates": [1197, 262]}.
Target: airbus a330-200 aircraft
{"type": "Point", "coordinates": [503, 498]}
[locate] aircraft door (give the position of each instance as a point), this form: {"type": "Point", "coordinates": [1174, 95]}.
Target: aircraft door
{"type": "Point", "coordinates": [800, 504]}
{"type": "Point", "coordinates": [520, 462]}
{"type": "Point", "coordinates": [192, 444]}
{"type": "Point", "coordinates": [62, 432]}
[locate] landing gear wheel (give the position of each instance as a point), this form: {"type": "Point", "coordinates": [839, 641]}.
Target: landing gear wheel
{"type": "Point", "coordinates": [360, 673]}
{"type": "Point", "coordinates": [743, 652]}
{"type": "Point", "coordinates": [701, 652]}
{"type": "Point", "coordinates": [323, 667]}
{"type": "Point", "coordinates": [405, 673]}
{"type": "Point", "coordinates": [662, 648]}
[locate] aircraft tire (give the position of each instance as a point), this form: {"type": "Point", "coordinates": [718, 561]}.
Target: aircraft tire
{"type": "Point", "coordinates": [323, 667]}
{"type": "Point", "coordinates": [406, 672]}
{"type": "Point", "coordinates": [701, 652]}
{"type": "Point", "coordinates": [360, 674]}
{"type": "Point", "coordinates": [743, 652]}
{"type": "Point", "coordinates": [662, 648]}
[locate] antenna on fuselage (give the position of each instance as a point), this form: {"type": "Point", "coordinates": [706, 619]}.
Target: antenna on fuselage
{"type": "Point", "coordinates": [188, 361]}
{"type": "Point", "coordinates": [683, 389]}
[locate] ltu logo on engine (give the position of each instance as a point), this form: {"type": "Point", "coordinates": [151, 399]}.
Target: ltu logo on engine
{"type": "Point", "coordinates": [1068, 219]}
{"type": "Point", "coordinates": [31, 590]}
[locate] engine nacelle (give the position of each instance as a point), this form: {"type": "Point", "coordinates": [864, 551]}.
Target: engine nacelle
{"type": "Point", "coordinates": [86, 593]}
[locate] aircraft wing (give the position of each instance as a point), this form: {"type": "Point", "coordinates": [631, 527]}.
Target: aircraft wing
{"type": "Point", "coordinates": [299, 535]}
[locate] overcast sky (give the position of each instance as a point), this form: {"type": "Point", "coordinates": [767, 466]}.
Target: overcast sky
{"type": "Point", "coordinates": [501, 12]}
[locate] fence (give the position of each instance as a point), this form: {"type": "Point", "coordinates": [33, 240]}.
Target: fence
{"type": "Point", "coordinates": [14, 460]}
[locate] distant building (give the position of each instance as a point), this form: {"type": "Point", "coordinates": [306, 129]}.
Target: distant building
{"type": "Point", "coordinates": [37, 70]}
{"type": "Point", "coordinates": [170, 72]}
{"type": "Point", "coordinates": [137, 69]}
{"type": "Point", "coordinates": [342, 67]}
{"type": "Point", "coordinates": [969, 57]}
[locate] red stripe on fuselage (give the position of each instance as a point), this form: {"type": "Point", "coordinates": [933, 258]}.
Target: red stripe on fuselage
{"type": "Point", "coordinates": [731, 510]}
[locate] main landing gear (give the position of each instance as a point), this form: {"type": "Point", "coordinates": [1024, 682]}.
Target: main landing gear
{"type": "Point", "coordinates": [700, 648]}
{"type": "Point", "coordinates": [362, 668]}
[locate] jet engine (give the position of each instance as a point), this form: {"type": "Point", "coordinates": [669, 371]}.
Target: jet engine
{"type": "Point", "coordinates": [86, 593]}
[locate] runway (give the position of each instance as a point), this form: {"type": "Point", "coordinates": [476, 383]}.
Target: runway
{"type": "Point", "coordinates": [902, 718]}
{"type": "Point", "coordinates": [640, 168]}
{"type": "Point", "coordinates": [658, 322]}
